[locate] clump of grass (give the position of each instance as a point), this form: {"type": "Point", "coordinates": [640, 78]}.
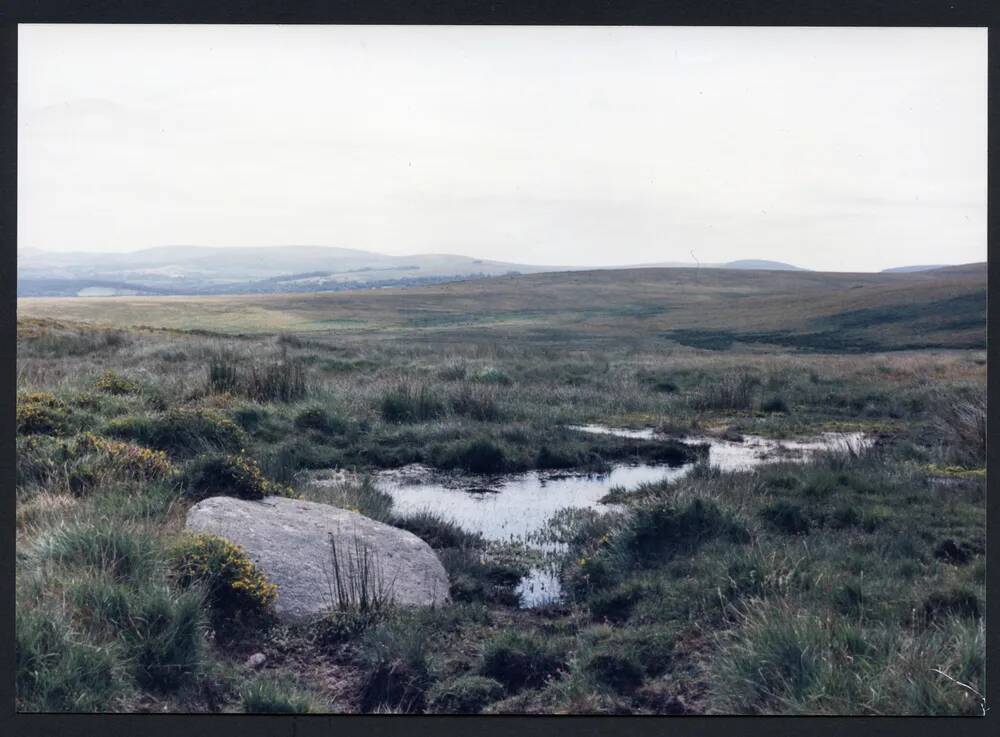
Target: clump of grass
{"type": "Point", "coordinates": [436, 531]}
{"type": "Point", "coordinates": [319, 420]}
{"type": "Point", "coordinates": [782, 660]}
{"type": "Point", "coordinates": [658, 530]}
{"type": "Point", "coordinates": [362, 496]}
{"type": "Point", "coordinates": [521, 660]}
{"type": "Point", "coordinates": [164, 637]}
{"type": "Point", "coordinates": [281, 380]}
{"type": "Point", "coordinates": [491, 375]}
{"type": "Point", "coordinates": [123, 553]}
{"type": "Point", "coordinates": [395, 661]}
{"type": "Point", "coordinates": [408, 403]}
{"type": "Point", "coordinates": [960, 424]}
{"type": "Point", "coordinates": [452, 371]}
{"type": "Point", "coordinates": [957, 602]}
{"type": "Point", "coordinates": [356, 578]}
{"type": "Point", "coordinates": [476, 404]}
{"type": "Point", "coordinates": [271, 695]}
{"type": "Point", "coordinates": [479, 455]}
{"type": "Point", "coordinates": [777, 661]}
{"type": "Point", "coordinates": [775, 403]}
{"type": "Point", "coordinates": [230, 475]}
{"type": "Point", "coordinates": [474, 577]}
{"type": "Point", "coordinates": [55, 672]}
{"type": "Point", "coordinates": [180, 431]}
{"type": "Point", "coordinates": [465, 694]}
{"type": "Point", "coordinates": [111, 382]}
{"type": "Point", "coordinates": [733, 390]}
{"type": "Point", "coordinates": [786, 517]}
{"type": "Point", "coordinates": [617, 671]}
{"type": "Point", "coordinates": [236, 591]}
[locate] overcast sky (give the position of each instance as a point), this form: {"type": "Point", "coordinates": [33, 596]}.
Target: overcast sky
{"type": "Point", "coordinates": [845, 149]}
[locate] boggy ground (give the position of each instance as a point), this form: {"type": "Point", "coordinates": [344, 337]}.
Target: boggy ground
{"type": "Point", "coordinates": [853, 584]}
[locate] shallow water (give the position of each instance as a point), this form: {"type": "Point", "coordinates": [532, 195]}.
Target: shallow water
{"type": "Point", "coordinates": [510, 507]}
{"type": "Point", "coordinates": [517, 506]}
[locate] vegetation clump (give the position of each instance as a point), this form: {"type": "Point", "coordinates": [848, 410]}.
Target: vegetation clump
{"type": "Point", "coordinates": [466, 694]}
{"type": "Point", "coordinates": [180, 431]}
{"type": "Point", "coordinates": [236, 475]}
{"type": "Point", "coordinates": [40, 413]}
{"type": "Point", "coordinates": [111, 382]}
{"type": "Point", "coordinates": [406, 403]}
{"type": "Point", "coordinates": [521, 660]}
{"type": "Point", "coordinates": [318, 419]}
{"type": "Point", "coordinates": [277, 380]}
{"type": "Point", "coordinates": [235, 589]}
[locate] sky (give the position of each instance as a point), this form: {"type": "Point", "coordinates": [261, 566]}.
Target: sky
{"type": "Point", "coordinates": [849, 149]}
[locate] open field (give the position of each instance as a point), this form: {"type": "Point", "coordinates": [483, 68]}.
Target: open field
{"type": "Point", "coordinates": [849, 584]}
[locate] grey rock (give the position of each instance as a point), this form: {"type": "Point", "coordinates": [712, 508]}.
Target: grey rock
{"type": "Point", "coordinates": [256, 661]}
{"type": "Point", "coordinates": [290, 540]}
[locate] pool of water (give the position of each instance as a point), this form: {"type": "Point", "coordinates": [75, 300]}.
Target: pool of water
{"type": "Point", "coordinates": [514, 508]}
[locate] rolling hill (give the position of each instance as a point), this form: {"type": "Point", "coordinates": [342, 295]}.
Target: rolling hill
{"type": "Point", "coordinates": [194, 270]}
{"type": "Point", "coordinates": [709, 309]}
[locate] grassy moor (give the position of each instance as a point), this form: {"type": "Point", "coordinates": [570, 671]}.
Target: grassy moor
{"type": "Point", "coordinates": [848, 579]}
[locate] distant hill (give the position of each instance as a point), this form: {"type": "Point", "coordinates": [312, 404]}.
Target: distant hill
{"type": "Point", "coordinates": [707, 309]}
{"type": "Point", "coordinates": [910, 269]}
{"type": "Point", "coordinates": [761, 265]}
{"type": "Point", "coordinates": [217, 270]}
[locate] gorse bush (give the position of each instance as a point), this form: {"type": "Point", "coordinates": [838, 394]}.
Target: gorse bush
{"type": "Point", "coordinates": [41, 413]}
{"type": "Point", "coordinates": [235, 589]}
{"type": "Point", "coordinates": [180, 431]}
{"type": "Point", "coordinates": [112, 383]}
{"type": "Point", "coordinates": [126, 459]}
{"type": "Point", "coordinates": [230, 475]}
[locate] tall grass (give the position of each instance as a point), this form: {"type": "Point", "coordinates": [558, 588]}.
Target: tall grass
{"type": "Point", "coordinates": [356, 578]}
{"type": "Point", "coordinates": [278, 380]}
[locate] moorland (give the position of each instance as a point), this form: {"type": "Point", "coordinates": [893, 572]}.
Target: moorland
{"type": "Point", "coordinates": [851, 582]}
